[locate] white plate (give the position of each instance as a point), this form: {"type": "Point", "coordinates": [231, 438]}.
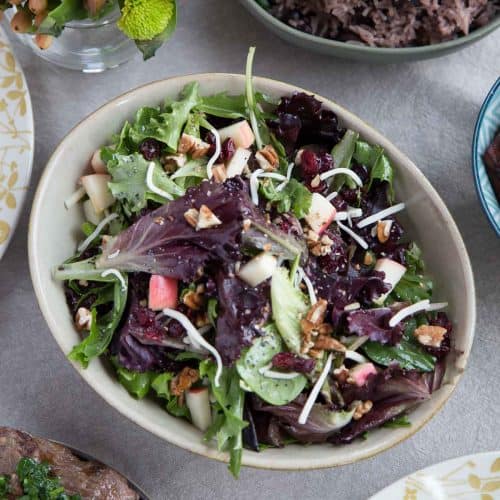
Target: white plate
{"type": "Point", "coordinates": [16, 141]}
{"type": "Point", "coordinates": [473, 477]}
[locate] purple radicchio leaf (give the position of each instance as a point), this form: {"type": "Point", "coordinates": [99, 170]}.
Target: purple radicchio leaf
{"type": "Point", "coordinates": [162, 242]}
{"type": "Point", "coordinates": [243, 311]}
{"type": "Point", "coordinates": [393, 391]}
{"type": "Point", "coordinates": [321, 424]}
{"type": "Point", "coordinates": [374, 323]}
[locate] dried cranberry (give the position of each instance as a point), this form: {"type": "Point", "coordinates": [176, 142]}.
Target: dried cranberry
{"type": "Point", "coordinates": [228, 148]}
{"type": "Point", "coordinates": [291, 362]}
{"type": "Point", "coordinates": [350, 195]}
{"type": "Point", "coordinates": [313, 164]}
{"type": "Point", "coordinates": [150, 149]}
{"type": "Point", "coordinates": [175, 329]}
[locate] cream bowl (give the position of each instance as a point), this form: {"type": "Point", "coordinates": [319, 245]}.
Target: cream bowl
{"type": "Point", "coordinates": [52, 239]}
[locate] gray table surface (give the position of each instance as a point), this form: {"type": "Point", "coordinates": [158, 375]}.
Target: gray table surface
{"type": "Point", "coordinates": [428, 109]}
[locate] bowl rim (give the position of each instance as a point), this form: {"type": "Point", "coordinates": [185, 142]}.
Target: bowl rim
{"type": "Point", "coordinates": [476, 34]}
{"type": "Point", "coordinates": [477, 162]}
{"type": "Point", "coordinates": [257, 460]}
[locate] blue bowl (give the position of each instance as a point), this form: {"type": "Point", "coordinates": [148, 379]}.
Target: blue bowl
{"type": "Point", "coordinates": [488, 122]}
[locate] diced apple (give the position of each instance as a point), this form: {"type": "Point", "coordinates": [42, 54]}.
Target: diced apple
{"type": "Point", "coordinates": [393, 271]}
{"type": "Point", "coordinates": [90, 214]}
{"type": "Point", "coordinates": [321, 214]}
{"type": "Point", "coordinates": [97, 163]}
{"type": "Point", "coordinates": [238, 162]}
{"type": "Point", "coordinates": [162, 293]}
{"type": "Point", "coordinates": [198, 402]}
{"type": "Point", "coordinates": [96, 187]}
{"type": "Point", "coordinates": [360, 373]}
{"type": "Point", "coordinates": [259, 269]}
{"type": "Point", "coordinates": [241, 133]}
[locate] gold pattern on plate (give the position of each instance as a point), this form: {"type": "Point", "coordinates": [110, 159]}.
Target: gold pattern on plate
{"type": "Point", "coordinates": [464, 481]}
{"type": "Point", "coordinates": [15, 139]}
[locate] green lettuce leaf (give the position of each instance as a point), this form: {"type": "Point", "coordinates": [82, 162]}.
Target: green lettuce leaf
{"type": "Point", "coordinates": [128, 182]}
{"type": "Point", "coordinates": [342, 156]}
{"type": "Point", "coordinates": [294, 197]}
{"type": "Point", "coordinates": [275, 391]}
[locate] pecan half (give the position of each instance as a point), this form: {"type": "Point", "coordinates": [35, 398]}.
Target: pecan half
{"type": "Point", "coordinates": [267, 158]}
{"type": "Point", "coordinates": [430, 335]}
{"type": "Point", "coordinates": [183, 381]}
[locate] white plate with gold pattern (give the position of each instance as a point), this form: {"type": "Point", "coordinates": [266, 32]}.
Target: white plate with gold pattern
{"type": "Point", "coordinates": [473, 477]}
{"type": "Point", "coordinates": [16, 141]}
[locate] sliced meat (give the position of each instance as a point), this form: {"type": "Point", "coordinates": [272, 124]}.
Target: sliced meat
{"type": "Point", "coordinates": [92, 480]}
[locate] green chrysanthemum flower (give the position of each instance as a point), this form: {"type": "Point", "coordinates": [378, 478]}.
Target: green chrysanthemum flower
{"type": "Point", "coordinates": [145, 19]}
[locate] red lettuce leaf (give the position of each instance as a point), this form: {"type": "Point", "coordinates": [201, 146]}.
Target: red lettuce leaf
{"type": "Point", "coordinates": [375, 324]}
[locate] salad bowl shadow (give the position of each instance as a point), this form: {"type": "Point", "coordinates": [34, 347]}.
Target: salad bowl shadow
{"type": "Point", "coordinates": [429, 224]}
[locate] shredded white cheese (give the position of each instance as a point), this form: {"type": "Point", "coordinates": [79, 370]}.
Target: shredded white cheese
{"type": "Point", "coordinates": [74, 198]}
{"type": "Point", "coordinates": [310, 288]}
{"type": "Point", "coordinates": [95, 233]}
{"type": "Point", "coordinates": [151, 185]}
{"type": "Point", "coordinates": [116, 273]}
{"type": "Point", "coordinates": [114, 254]}
{"type": "Point", "coordinates": [346, 171]}
{"type": "Point", "coordinates": [254, 182]}
{"type": "Point", "coordinates": [353, 213]}
{"type": "Point", "coordinates": [436, 306]}
{"type": "Point", "coordinates": [304, 414]}
{"type": "Point", "coordinates": [331, 196]}
{"type": "Point", "coordinates": [281, 186]}
{"type": "Point", "coordinates": [197, 339]}
{"type": "Point", "coordinates": [408, 311]}
{"type": "Point", "coordinates": [380, 215]}
{"type": "Point", "coordinates": [216, 155]}
{"type": "Point", "coordinates": [362, 243]}
{"type": "Point", "coordinates": [254, 185]}
{"type": "Point", "coordinates": [352, 307]}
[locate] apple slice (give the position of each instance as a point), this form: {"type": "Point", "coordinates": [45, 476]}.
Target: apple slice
{"type": "Point", "coordinates": [393, 271]}
{"type": "Point", "coordinates": [321, 214]}
{"type": "Point", "coordinates": [97, 163]}
{"type": "Point", "coordinates": [162, 293]}
{"type": "Point", "coordinates": [96, 187]}
{"type": "Point", "coordinates": [198, 402]}
{"type": "Point", "coordinates": [241, 133]}
{"type": "Point", "coordinates": [238, 162]}
{"type": "Point", "coordinates": [259, 269]}
{"type": "Point", "coordinates": [90, 213]}
{"type": "Point", "coordinates": [360, 373]}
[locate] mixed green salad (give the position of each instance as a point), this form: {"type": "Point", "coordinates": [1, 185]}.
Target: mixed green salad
{"type": "Point", "coordinates": [241, 262]}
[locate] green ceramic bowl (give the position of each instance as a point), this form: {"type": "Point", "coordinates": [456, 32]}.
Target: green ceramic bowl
{"type": "Point", "coordinates": [362, 52]}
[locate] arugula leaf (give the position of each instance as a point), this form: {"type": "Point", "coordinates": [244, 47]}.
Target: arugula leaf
{"type": "Point", "coordinates": [414, 285]}
{"type": "Point", "coordinates": [212, 311]}
{"type": "Point", "coordinates": [66, 11]}
{"type": "Point", "coordinates": [408, 353]}
{"type": "Point", "coordinates": [129, 182]}
{"type": "Point", "coordinates": [401, 421]}
{"type": "Point", "coordinates": [101, 328]}
{"type": "Point", "coordinates": [228, 422]}
{"type": "Point", "coordinates": [294, 197]}
{"type": "Point", "coordinates": [275, 391]}
{"type": "Point", "coordinates": [342, 156]}
{"type": "Point", "coordinates": [149, 47]}
{"type": "Point", "coordinates": [366, 154]}
{"type": "Point", "coordinates": [224, 105]}
{"type": "Point", "coordinates": [137, 384]}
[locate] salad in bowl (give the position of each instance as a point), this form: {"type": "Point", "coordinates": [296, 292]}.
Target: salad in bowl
{"type": "Point", "coordinates": [243, 264]}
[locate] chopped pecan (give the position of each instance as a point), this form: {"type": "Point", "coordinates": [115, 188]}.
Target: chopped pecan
{"type": "Point", "coordinates": [313, 326]}
{"type": "Point", "coordinates": [322, 246]}
{"type": "Point", "coordinates": [172, 162]}
{"type": "Point", "coordinates": [219, 173]}
{"type": "Point", "coordinates": [193, 146]}
{"type": "Point", "coordinates": [183, 381]}
{"type": "Point", "coordinates": [329, 344]}
{"type": "Point", "coordinates": [384, 230]}
{"type": "Point", "coordinates": [317, 312]}
{"type": "Point", "coordinates": [192, 215]}
{"type": "Point", "coordinates": [341, 374]}
{"type": "Point", "coordinates": [193, 300]}
{"type": "Point", "coordinates": [430, 335]}
{"type": "Point", "coordinates": [267, 158]}
{"type": "Point", "coordinates": [362, 408]}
